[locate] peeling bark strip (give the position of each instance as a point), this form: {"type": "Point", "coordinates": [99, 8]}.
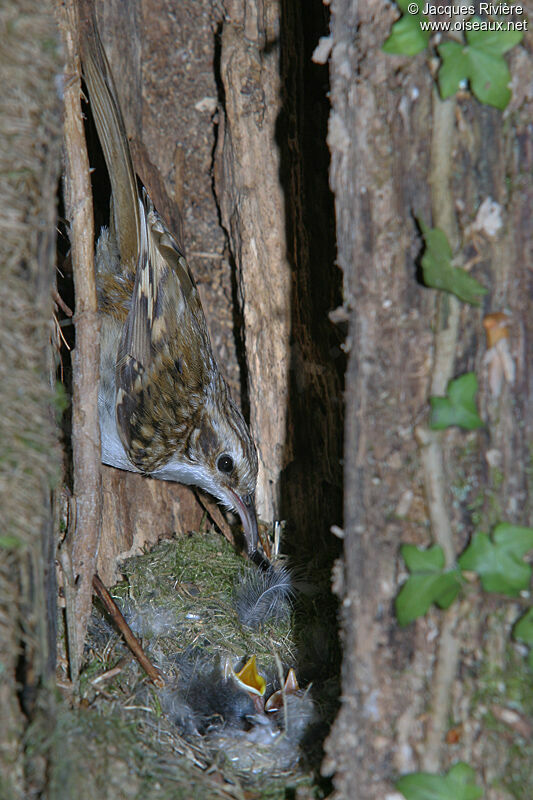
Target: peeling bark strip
{"type": "Point", "coordinates": [247, 167]}
{"type": "Point", "coordinates": [83, 542]}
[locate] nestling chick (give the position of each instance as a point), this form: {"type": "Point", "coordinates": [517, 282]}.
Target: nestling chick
{"type": "Point", "coordinates": [165, 409]}
{"type": "Point", "coordinates": [202, 700]}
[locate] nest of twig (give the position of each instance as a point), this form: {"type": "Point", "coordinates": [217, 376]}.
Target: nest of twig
{"type": "Point", "coordinates": [203, 733]}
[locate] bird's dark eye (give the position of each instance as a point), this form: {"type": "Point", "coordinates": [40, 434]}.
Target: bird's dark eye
{"type": "Point", "coordinates": [225, 463]}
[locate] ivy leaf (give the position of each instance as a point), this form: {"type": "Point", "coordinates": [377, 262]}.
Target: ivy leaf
{"type": "Point", "coordinates": [429, 583]}
{"type": "Point", "coordinates": [494, 42]}
{"type": "Point", "coordinates": [457, 784]}
{"type": "Point", "coordinates": [454, 68]}
{"type": "Point", "coordinates": [499, 563]}
{"type": "Point", "coordinates": [481, 63]}
{"type": "Point", "coordinates": [407, 37]}
{"type": "Point", "coordinates": [515, 539]}
{"type": "Point", "coordinates": [458, 407]}
{"type": "Point", "coordinates": [419, 592]}
{"type": "Point", "coordinates": [418, 560]}
{"type": "Point", "coordinates": [439, 273]}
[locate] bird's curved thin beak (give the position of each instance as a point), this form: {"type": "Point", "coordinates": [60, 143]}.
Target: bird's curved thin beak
{"type": "Point", "coordinates": [246, 508]}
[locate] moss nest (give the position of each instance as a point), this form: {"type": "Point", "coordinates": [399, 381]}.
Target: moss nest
{"type": "Point", "coordinates": [205, 733]}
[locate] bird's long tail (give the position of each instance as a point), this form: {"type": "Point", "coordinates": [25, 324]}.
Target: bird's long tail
{"type": "Point", "coordinates": [112, 135]}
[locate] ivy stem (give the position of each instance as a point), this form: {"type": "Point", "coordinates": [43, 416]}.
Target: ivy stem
{"type": "Point", "coordinates": [432, 457]}
{"type": "Point", "coordinates": [447, 313]}
{"type": "Point", "coordinates": [443, 213]}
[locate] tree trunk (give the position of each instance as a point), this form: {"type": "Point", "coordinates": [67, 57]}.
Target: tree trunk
{"type": "Point", "coordinates": [30, 135]}
{"type": "Point", "coordinates": [389, 145]}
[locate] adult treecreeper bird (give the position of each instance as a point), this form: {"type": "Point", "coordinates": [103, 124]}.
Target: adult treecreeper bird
{"type": "Point", "coordinates": [165, 409]}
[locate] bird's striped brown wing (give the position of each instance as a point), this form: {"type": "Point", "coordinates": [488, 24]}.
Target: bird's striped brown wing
{"type": "Point", "coordinates": [165, 362]}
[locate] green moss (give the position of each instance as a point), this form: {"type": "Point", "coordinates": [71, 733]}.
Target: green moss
{"type": "Point", "coordinates": [106, 756]}
{"type": "Point", "coordinates": [481, 500]}
{"type": "Point", "coordinates": [509, 687]}
{"type": "Point", "coordinates": [180, 595]}
{"type": "Point", "coordinates": [496, 478]}
{"type": "Point", "coordinates": [192, 582]}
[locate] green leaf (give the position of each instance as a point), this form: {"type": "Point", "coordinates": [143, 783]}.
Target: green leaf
{"type": "Point", "coordinates": [494, 42]}
{"type": "Point", "coordinates": [419, 592]}
{"type": "Point", "coordinates": [489, 79]}
{"type": "Point", "coordinates": [439, 273]}
{"type": "Point", "coordinates": [458, 407]}
{"type": "Point", "coordinates": [499, 563]}
{"type": "Point", "coordinates": [457, 784]}
{"type": "Point", "coordinates": [407, 37]}
{"type": "Point", "coordinates": [454, 68]}
{"type": "Point", "coordinates": [429, 583]}
{"type": "Point", "coordinates": [449, 589]}
{"type": "Point", "coordinates": [523, 630]}
{"type": "Point", "coordinates": [418, 560]}
{"type": "Point", "coordinates": [515, 539]}
{"type": "Point", "coordinates": [479, 63]}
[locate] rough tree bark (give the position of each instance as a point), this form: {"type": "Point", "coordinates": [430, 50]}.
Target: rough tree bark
{"type": "Point", "coordinates": [30, 151]}
{"type": "Point", "coordinates": [400, 686]}
{"type": "Point", "coordinates": [270, 179]}
{"type": "Point", "coordinates": [252, 203]}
